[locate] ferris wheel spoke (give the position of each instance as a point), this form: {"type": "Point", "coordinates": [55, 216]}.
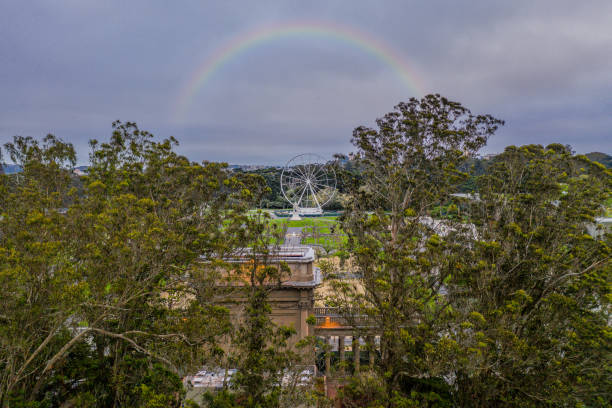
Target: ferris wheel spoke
{"type": "Point", "coordinates": [306, 200]}
{"type": "Point", "coordinates": [304, 186]}
{"type": "Point", "coordinates": [314, 170]}
{"type": "Point", "coordinates": [307, 171]}
{"type": "Point", "coordinates": [319, 169]}
{"type": "Point", "coordinates": [315, 174]}
{"type": "Point", "coordinates": [314, 195]}
{"type": "Point", "coordinates": [303, 169]}
{"type": "Point", "coordinates": [320, 181]}
{"type": "Point", "coordinates": [302, 195]}
{"type": "Point", "coordinates": [295, 179]}
{"type": "Point", "coordinates": [287, 180]}
{"type": "Point", "coordinates": [294, 189]}
{"type": "Point", "coordinates": [291, 180]}
{"type": "Point", "coordinates": [300, 190]}
{"type": "Point", "coordinates": [296, 169]}
{"type": "Point", "coordinates": [322, 173]}
{"type": "Point", "coordinates": [322, 185]}
{"type": "Point", "coordinates": [299, 178]}
{"type": "Point", "coordinates": [298, 185]}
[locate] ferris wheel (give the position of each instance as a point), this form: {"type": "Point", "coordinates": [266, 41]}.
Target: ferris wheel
{"type": "Point", "coordinates": [308, 182]}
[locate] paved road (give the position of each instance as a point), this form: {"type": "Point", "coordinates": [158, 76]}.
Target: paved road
{"type": "Point", "coordinates": [293, 236]}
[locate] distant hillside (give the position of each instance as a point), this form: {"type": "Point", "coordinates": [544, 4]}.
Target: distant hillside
{"type": "Point", "coordinates": [602, 158]}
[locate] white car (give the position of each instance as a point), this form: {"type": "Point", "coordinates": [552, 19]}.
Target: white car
{"type": "Point", "coordinates": [215, 379]}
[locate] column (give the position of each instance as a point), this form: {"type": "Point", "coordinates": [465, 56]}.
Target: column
{"type": "Point", "coordinates": [341, 354]}
{"type": "Point", "coordinates": [356, 355]}
{"type": "Point", "coordinates": [327, 357]}
{"type": "Point", "coordinates": [304, 306]}
{"type": "Point", "coordinates": [371, 351]}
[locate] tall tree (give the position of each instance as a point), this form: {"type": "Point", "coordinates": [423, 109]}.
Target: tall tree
{"type": "Point", "coordinates": [35, 272]}
{"type": "Point", "coordinates": [110, 269]}
{"type": "Point", "coordinates": [265, 354]}
{"type": "Point", "coordinates": [409, 166]}
{"type": "Point", "coordinates": [533, 304]}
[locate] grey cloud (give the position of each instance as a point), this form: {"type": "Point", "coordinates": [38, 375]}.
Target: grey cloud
{"type": "Point", "coordinates": [72, 67]}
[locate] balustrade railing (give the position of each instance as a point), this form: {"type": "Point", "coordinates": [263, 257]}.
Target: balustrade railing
{"type": "Point", "coordinates": [332, 317]}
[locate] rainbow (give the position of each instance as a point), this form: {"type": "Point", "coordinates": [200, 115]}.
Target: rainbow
{"type": "Point", "coordinates": [260, 36]}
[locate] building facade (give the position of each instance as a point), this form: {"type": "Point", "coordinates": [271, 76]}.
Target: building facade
{"type": "Point", "coordinates": [293, 300]}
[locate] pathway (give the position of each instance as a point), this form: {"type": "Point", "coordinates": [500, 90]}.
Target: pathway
{"type": "Point", "coordinates": [293, 237]}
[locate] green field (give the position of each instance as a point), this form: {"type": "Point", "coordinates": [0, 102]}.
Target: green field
{"type": "Point", "coordinates": [320, 225]}
{"type": "Point", "coordinates": [329, 242]}
{"type": "Point", "coordinates": [306, 222]}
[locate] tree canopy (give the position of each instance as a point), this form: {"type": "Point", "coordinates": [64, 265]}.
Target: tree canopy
{"type": "Point", "coordinates": [502, 302]}
{"type": "Point", "coordinates": [115, 283]}
{"type": "Point", "coordinates": [100, 306]}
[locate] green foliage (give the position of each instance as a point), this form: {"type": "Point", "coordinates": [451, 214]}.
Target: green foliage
{"type": "Point", "coordinates": [419, 145]}
{"type": "Point", "coordinates": [100, 287]}
{"type": "Point", "coordinates": [363, 391]}
{"type": "Point", "coordinates": [538, 284]}
{"type": "Point", "coordinates": [260, 349]}
{"type": "Point", "coordinates": [498, 299]}
{"type": "Point", "coordinates": [222, 399]}
{"type": "Point", "coordinates": [506, 294]}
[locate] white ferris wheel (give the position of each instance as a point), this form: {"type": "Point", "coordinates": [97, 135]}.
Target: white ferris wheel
{"type": "Point", "coordinates": [308, 182]}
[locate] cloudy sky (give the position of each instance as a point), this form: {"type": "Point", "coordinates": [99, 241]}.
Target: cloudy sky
{"type": "Point", "coordinates": [72, 67]}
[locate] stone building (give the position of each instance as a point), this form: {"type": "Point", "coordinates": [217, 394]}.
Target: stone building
{"type": "Point", "coordinates": [293, 301]}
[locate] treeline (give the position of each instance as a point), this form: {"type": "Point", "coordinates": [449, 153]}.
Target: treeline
{"type": "Point", "coordinates": [111, 294]}
{"type": "Point", "coordinates": [475, 166]}
{"type": "Point", "coordinates": [274, 198]}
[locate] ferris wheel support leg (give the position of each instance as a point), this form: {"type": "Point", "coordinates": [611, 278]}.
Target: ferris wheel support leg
{"type": "Point", "coordinates": [295, 215]}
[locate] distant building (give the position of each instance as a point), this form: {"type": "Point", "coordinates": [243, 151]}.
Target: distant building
{"type": "Point", "coordinates": [293, 301]}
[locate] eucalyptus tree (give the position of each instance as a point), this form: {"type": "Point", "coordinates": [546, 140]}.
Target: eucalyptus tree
{"type": "Point", "coordinates": [266, 355]}
{"type": "Point", "coordinates": [533, 309]}
{"type": "Point", "coordinates": [103, 306]}
{"type": "Point", "coordinates": [409, 165]}
{"type": "Point", "coordinates": [35, 273]}
{"type": "Point", "coordinates": [152, 214]}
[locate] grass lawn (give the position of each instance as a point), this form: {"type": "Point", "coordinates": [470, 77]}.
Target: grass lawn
{"type": "Point", "coordinates": [306, 222]}
{"type": "Point", "coordinates": [323, 226]}
{"type": "Point", "coordinates": [323, 229]}
{"type": "Point", "coordinates": [333, 242]}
